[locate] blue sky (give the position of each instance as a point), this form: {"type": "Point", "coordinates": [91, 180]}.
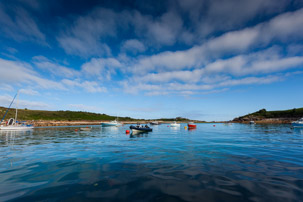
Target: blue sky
{"type": "Point", "coordinates": [200, 59]}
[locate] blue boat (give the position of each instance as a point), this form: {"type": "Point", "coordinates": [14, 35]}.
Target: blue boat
{"type": "Point", "coordinates": [298, 123]}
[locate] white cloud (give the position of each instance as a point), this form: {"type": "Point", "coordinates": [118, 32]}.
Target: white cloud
{"type": "Point", "coordinates": [13, 73]}
{"type": "Point", "coordinates": [88, 34]}
{"type": "Point", "coordinates": [249, 81]}
{"type": "Point", "coordinates": [184, 76]}
{"type": "Point", "coordinates": [165, 30]}
{"type": "Point", "coordinates": [206, 16]}
{"type": "Point", "coordinates": [199, 68]}
{"type": "Point", "coordinates": [29, 92]}
{"type": "Point", "coordinates": [5, 101]}
{"type": "Point", "coordinates": [189, 89]}
{"type": "Point", "coordinates": [54, 68]}
{"type": "Point", "coordinates": [133, 46]}
{"type": "Point", "coordinates": [21, 27]}
{"type": "Point", "coordinates": [6, 87]}
{"type": "Point", "coordinates": [262, 62]}
{"type": "Point", "coordinates": [101, 67]}
{"type": "Point", "coordinates": [89, 86]}
{"type": "Point", "coordinates": [231, 43]}
{"type": "Point", "coordinates": [85, 36]}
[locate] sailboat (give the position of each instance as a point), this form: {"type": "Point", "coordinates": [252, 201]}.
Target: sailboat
{"type": "Point", "coordinates": [12, 123]}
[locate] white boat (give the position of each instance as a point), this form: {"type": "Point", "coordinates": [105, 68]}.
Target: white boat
{"type": "Point", "coordinates": [252, 122]}
{"type": "Point", "coordinates": [86, 129]}
{"type": "Point", "coordinates": [16, 127]}
{"type": "Point", "coordinates": [12, 123]}
{"type": "Point", "coordinates": [298, 123]}
{"type": "Point", "coordinates": [154, 123]}
{"type": "Point", "coordinates": [112, 123]}
{"type": "Point", "coordinates": [175, 124]}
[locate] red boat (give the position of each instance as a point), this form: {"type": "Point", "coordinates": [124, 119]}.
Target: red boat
{"type": "Point", "coordinates": [191, 125]}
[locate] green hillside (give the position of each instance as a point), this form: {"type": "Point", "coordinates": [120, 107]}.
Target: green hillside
{"type": "Point", "coordinates": [295, 113]}
{"type": "Point", "coordinates": [26, 114]}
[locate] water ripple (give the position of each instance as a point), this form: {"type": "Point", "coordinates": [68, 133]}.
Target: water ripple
{"type": "Point", "coordinates": [223, 163]}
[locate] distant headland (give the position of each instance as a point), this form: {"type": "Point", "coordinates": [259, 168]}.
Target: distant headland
{"type": "Point", "coordinates": [262, 116]}
{"type": "Point", "coordinates": [69, 118]}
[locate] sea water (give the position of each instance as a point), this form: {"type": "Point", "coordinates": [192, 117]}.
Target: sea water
{"type": "Point", "coordinates": [215, 162]}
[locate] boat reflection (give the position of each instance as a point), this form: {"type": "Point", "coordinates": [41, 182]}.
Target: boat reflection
{"type": "Point", "coordinates": [110, 129]}
{"type": "Point", "coordinates": [298, 130]}
{"type": "Point", "coordinates": [138, 134]}
{"type": "Point", "coordinates": [175, 128]}
{"type": "Point", "coordinates": [9, 138]}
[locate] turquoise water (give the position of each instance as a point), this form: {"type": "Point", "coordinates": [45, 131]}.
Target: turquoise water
{"type": "Point", "coordinates": [235, 162]}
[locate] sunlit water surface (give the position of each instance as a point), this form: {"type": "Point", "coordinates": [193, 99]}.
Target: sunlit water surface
{"type": "Point", "coordinates": [235, 162]}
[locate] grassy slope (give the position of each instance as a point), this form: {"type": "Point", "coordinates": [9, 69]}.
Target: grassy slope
{"type": "Point", "coordinates": [24, 114]}
{"type": "Point", "coordinates": [263, 114]}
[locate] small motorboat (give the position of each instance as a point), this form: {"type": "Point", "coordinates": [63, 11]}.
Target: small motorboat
{"type": "Point", "coordinates": [154, 123]}
{"type": "Point", "coordinates": [298, 123]}
{"type": "Point", "coordinates": [112, 123]}
{"type": "Point", "coordinates": [191, 125]}
{"type": "Point", "coordinates": [175, 124]}
{"type": "Point", "coordinates": [252, 122]}
{"type": "Point", "coordinates": [86, 129]}
{"type": "Point", "coordinates": [140, 128]}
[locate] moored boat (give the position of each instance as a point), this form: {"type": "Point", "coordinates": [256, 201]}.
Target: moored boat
{"type": "Point", "coordinates": [86, 129]}
{"type": "Point", "coordinates": [140, 128]}
{"type": "Point", "coordinates": [298, 123]}
{"type": "Point", "coordinates": [154, 123]}
{"type": "Point", "coordinates": [175, 124]}
{"type": "Point", "coordinates": [112, 123]}
{"type": "Point", "coordinates": [12, 123]}
{"type": "Point", "coordinates": [17, 127]}
{"type": "Point", "coordinates": [191, 125]}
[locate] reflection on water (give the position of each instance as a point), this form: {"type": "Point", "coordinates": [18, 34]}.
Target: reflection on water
{"type": "Point", "coordinates": [135, 134]}
{"type": "Point", "coordinates": [298, 130]}
{"type": "Point", "coordinates": [237, 162]}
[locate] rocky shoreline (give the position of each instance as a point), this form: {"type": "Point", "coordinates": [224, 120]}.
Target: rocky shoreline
{"type": "Point", "coordinates": [265, 121]}
{"type": "Point", "coordinates": [43, 123]}
{"type": "Point", "coordinates": [70, 123]}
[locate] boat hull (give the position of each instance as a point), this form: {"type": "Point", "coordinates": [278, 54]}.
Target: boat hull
{"type": "Point", "coordinates": [154, 123]}
{"type": "Point", "coordinates": [297, 125]}
{"type": "Point", "coordinates": [175, 125]}
{"type": "Point", "coordinates": [110, 124]}
{"type": "Point", "coordinates": [192, 126]}
{"type": "Point", "coordinates": [139, 129]}
{"type": "Point", "coordinates": [85, 129]}
{"type": "Point", "coordinates": [16, 128]}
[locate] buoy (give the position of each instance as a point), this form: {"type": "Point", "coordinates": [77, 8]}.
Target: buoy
{"type": "Point", "coordinates": [127, 131]}
{"type": "Point", "coordinates": [167, 126]}
{"type": "Point", "coordinates": [214, 125]}
{"type": "Point", "coordinates": [185, 127]}
{"type": "Point", "coordinates": [76, 129]}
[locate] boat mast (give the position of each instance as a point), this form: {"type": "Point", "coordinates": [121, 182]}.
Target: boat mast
{"type": "Point", "coordinates": [8, 108]}
{"type": "Point", "coordinates": [17, 108]}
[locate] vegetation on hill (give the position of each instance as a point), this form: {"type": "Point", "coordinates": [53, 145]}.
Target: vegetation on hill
{"type": "Point", "coordinates": [294, 114]}
{"type": "Point", "coordinates": [181, 119]}
{"type": "Point", "coordinates": [26, 114]}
